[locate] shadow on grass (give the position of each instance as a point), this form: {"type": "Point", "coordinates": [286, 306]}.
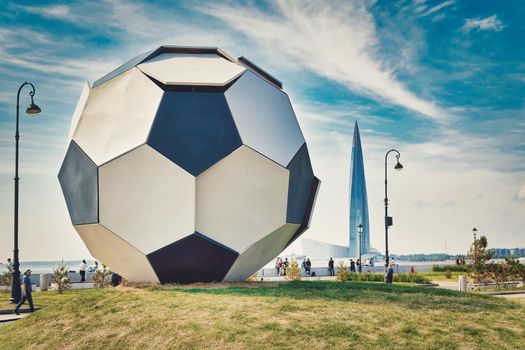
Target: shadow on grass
{"type": "Point", "coordinates": [373, 293]}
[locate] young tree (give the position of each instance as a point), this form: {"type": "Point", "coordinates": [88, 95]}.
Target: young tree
{"type": "Point", "coordinates": [102, 277]}
{"type": "Point", "coordinates": [6, 281]}
{"type": "Point", "coordinates": [479, 256]}
{"type": "Point", "coordinates": [342, 274]}
{"type": "Point", "coordinates": [516, 270]}
{"type": "Point", "coordinates": [293, 272]}
{"type": "Point", "coordinates": [60, 278]}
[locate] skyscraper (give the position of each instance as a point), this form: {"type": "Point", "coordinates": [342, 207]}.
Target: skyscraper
{"type": "Point", "coordinates": [358, 198]}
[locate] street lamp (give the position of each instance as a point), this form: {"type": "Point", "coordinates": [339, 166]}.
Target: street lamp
{"type": "Point", "coordinates": [475, 232]}
{"type": "Point", "coordinates": [360, 231]}
{"type": "Point", "coordinates": [388, 219]}
{"type": "Point", "coordinates": [31, 110]}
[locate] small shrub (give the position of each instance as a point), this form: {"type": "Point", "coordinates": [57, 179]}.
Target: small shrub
{"type": "Point", "coordinates": [5, 280]}
{"type": "Point", "coordinates": [365, 277]}
{"type": "Point", "coordinates": [412, 270]}
{"type": "Point", "coordinates": [451, 268]}
{"type": "Point", "coordinates": [102, 277]}
{"type": "Point", "coordinates": [293, 272]}
{"type": "Point", "coordinates": [342, 274]}
{"type": "Point", "coordinates": [448, 274]}
{"type": "Point", "coordinates": [411, 278]}
{"type": "Point", "coordinates": [59, 278]}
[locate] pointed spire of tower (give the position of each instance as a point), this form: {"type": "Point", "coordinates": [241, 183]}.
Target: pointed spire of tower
{"type": "Point", "coordinates": [358, 198]}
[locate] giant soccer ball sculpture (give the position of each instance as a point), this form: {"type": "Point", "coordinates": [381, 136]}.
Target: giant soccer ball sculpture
{"type": "Point", "coordinates": [187, 165]}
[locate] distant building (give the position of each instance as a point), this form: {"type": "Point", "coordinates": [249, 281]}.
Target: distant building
{"type": "Point", "coordinates": [322, 250]}
{"type": "Point", "coordinates": [506, 252]}
{"type": "Point", "coordinates": [358, 199]}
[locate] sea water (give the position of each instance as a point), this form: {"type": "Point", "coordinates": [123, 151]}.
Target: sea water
{"type": "Point", "coordinates": [48, 266]}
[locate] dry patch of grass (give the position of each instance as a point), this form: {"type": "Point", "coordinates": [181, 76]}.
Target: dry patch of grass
{"type": "Point", "coordinates": [312, 315]}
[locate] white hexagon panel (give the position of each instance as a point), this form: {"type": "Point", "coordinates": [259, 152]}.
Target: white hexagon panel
{"type": "Point", "coordinates": [187, 165]}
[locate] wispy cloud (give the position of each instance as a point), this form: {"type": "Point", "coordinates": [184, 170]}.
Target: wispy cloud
{"type": "Point", "coordinates": [481, 24]}
{"type": "Point", "coordinates": [53, 11]}
{"type": "Point", "coordinates": [337, 42]}
{"type": "Point", "coordinates": [437, 8]}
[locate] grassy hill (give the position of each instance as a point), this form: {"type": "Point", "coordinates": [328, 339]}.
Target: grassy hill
{"type": "Point", "coordinates": [298, 315]}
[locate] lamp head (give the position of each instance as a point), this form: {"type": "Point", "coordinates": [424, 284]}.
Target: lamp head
{"type": "Point", "coordinates": [398, 166]}
{"type": "Point", "coordinates": [474, 230]}
{"type": "Point", "coordinates": [360, 228]}
{"type": "Point", "coordinates": [32, 109]}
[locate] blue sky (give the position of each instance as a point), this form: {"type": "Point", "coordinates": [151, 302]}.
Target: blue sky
{"type": "Point", "coordinates": [442, 81]}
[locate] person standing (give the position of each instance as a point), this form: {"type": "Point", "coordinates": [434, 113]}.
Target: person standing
{"type": "Point", "coordinates": [389, 275]}
{"type": "Point", "coordinates": [359, 267]}
{"type": "Point", "coordinates": [82, 269]}
{"type": "Point", "coordinates": [308, 265]}
{"type": "Point", "coordinates": [331, 267]}
{"type": "Point", "coordinates": [9, 265]}
{"type": "Point", "coordinates": [278, 264]}
{"type": "Point", "coordinates": [352, 265]}
{"type": "Point", "coordinates": [26, 293]}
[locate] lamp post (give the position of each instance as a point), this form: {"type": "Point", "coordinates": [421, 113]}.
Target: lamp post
{"type": "Point", "coordinates": [388, 219]}
{"type": "Point", "coordinates": [475, 232]}
{"type": "Point", "coordinates": [360, 231]}
{"type": "Point", "coordinates": [32, 109]}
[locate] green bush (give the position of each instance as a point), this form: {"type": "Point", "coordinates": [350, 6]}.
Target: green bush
{"type": "Point", "coordinates": [451, 268]}
{"type": "Point", "coordinates": [344, 276]}
{"type": "Point", "coordinates": [448, 274]}
{"type": "Point", "coordinates": [411, 278]}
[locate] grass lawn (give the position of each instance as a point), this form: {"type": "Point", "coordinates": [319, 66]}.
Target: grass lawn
{"type": "Point", "coordinates": [296, 315]}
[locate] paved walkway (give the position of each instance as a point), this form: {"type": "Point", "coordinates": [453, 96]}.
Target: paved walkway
{"type": "Point", "coordinates": [5, 319]}
{"type": "Point", "coordinates": [447, 284]}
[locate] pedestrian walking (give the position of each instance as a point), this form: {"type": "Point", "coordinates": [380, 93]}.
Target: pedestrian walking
{"type": "Point", "coordinates": [331, 267]}
{"type": "Point", "coordinates": [82, 269]}
{"type": "Point", "coordinates": [308, 266]}
{"type": "Point", "coordinates": [26, 293]}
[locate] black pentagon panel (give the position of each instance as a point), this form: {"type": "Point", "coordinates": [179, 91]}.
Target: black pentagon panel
{"type": "Point", "coordinates": [194, 129]}
{"type": "Point", "coordinates": [312, 196]}
{"type": "Point", "coordinates": [195, 258]}
{"type": "Point", "coordinates": [78, 178]}
{"type": "Point", "coordinates": [301, 177]}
